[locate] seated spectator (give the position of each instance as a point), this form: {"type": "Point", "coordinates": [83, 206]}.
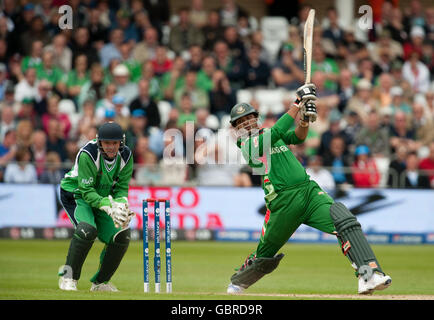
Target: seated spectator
{"type": "Point", "coordinates": [34, 60]}
{"type": "Point", "coordinates": [212, 31]}
{"type": "Point", "coordinates": [21, 170]}
{"type": "Point", "coordinates": [397, 167]}
{"type": "Point", "coordinates": [416, 73]}
{"type": "Point", "coordinates": [233, 68]}
{"type": "Point", "coordinates": [134, 67]}
{"type": "Point", "coordinates": [118, 106]}
{"type": "Point", "coordinates": [124, 86]}
{"type": "Point", "coordinates": [38, 148]}
{"type": "Point", "coordinates": [7, 121]}
{"type": "Point", "coordinates": [41, 99]}
{"type": "Point", "coordinates": [414, 45]}
{"type": "Point", "coordinates": [87, 118]}
{"type": "Point", "coordinates": [24, 133]}
{"type": "Point", "coordinates": [173, 79]}
{"type": "Point", "coordinates": [328, 66]}
{"type": "Point", "coordinates": [427, 164]}
{"type": "Point", "coordinates": [27, 112]}
{"type": "Point", "coordinates": [161, 63]}
{"type": "Point", "coordinates": [186, 110]}
{"type": "Point", "coordinates": [287, 72]}
{"type": "Point", "coordinates": [51, 73]}
{"type": "Point", "coordinates": [365, 173]}
{"type": "Point", "coordinates": [53, 173]}
{"type": "Point", "coordinates": [333, 32]}
{"type": "Point", "coordinates": [346, 89]}
{"type": "Point", "coordinates": [422, 124]}
{"type": "Point", "coordinates": [154, 83]}
{"type": "Point", "coordinates": [55, 141]}
{"type": "Point", "coordinates": [7, 150]}
{"type": "Point", "coordinates": [415, 179]}
{"type": "Point", "coordinates": [106, 101]}
{"type": "Point", "coordinates": [257, 71]}
{"type": "Point", "coordinates": [382, 93]}
{"type": "Point", "coordinates": [235, 45]}
{"type": "Point", "coordinates": [222, 96]}
{"type": "Point", "coordinates": [333, 131]}
{"type": "Point", "coordinates": [27, 87]}
{"type": "Point", "coordinates": [401, 133]}
{"type": "Point", "coordinates": [124, 23]}
{"type": "Point", "coordinates": [81, 44]}
{"type": "Point", "coordinates": [199, 97]}
{"type": "Point", "coordinates": [398, 103]}
{"type": "Point", "coordinates": [111, 50]}
{"type": "Point", "coordinates": [319, 79]}
{"type": "Point", "coordinates": [363, 102]}
{"type": "Point", "coordinates": [195, 53]}
{"type": "Point", "coordinates": [77, 77]}
{"type": "Point", "coordinates": [230, 11]}
{"type": "Point", "coordinates": [198, 14]}
{"type": "Point", "coordinates": [352, 127]}
{"type": "Point", "coordinates": [184, 33]}
{"type": "Point", "coordinates": [94, 88]}
{"type": "Point", "coordinates": [53, 113]}
{"type": "Point", "coordinates": [147, 172]}
{"type": "Point", "coordinates": [337, 160]}
{"type": "Point", "coordinates": [374, 136]}
{"type": "Point", "coordinates": [206, 73]}
{"type": "Point", "coordinates": [98, 33]}
{"type": "Point", "coordinates": [145, 50]}
{"type": "Point", "coordinates": [322, 123]}
{"type": "Point", "coordinates": [62, 54]}
{"type": "Point", "coordinates": [317, 173]}
{"type": "Point", "coordinates": [146, 103]}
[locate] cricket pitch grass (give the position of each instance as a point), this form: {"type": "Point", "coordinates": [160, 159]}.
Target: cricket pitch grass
{"type": "Point", "coordinates": [201, 271]}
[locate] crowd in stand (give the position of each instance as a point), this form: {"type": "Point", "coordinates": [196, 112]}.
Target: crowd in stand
{"type": "Point", "coordinates": [153, 70]}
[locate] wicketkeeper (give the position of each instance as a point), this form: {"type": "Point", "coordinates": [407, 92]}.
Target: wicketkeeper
{"type": "Point", "coordinates": [293, 199]}
{"type": "Point", "coordinates": [95, 197]}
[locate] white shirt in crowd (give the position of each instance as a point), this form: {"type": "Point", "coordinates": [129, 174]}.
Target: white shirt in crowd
{"type": "Point", "coordinates": [15, 174]}
{"type": "Point", "coordinates": [323, 177]}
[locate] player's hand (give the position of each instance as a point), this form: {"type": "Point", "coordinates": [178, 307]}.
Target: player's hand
{"type": "Point", "coordinates": [306, 93]}
{"type": "Point", "coordinates": [122, 214]}
{"type": "Point", "coordinates": [106, 206]}
{"type": "Point", "coordinates": [308, 111]}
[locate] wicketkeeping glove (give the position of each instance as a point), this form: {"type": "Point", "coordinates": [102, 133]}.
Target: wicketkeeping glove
{"type": "Point", "coordinates": [122, 214]}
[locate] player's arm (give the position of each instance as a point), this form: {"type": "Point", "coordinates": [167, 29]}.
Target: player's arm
{"type": "Point", "coordinates": [87, 174]}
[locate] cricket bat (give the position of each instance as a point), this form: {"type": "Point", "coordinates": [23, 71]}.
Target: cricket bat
{"type": "Point", "coordinates": [307, 45]}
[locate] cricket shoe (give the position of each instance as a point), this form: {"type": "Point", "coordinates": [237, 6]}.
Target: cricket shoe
{"type": "Point", "coordinates": [234, 289]}
{"type": "Point", "coordinates": [107, 287]}
{"type": "Point", "coordinates": [67, 284]}
{"type": "Point", "coordinates": [378, 281]}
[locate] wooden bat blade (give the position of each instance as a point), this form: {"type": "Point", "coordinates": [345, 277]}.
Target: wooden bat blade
{"type": "Point", "coordinates": [307, 45]}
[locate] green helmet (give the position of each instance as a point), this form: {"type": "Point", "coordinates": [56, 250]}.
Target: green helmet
{"type": "Point", "coordinates": [240, 110]}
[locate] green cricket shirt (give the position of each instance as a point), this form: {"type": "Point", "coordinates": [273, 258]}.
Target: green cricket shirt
{"type": "Point", "coordinates": [268, 155]}
{"type": "Point", "coordinates": [93, 178]}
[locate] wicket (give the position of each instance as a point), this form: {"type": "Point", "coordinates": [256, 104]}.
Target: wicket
{"type": "Point", "coordinates": [157, 258]}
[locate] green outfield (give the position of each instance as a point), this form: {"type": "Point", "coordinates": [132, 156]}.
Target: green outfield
{"type": "Point", "coordinates": [201, 270]}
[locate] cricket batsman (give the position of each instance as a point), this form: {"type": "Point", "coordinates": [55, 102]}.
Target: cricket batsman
{"type": "Point", "coordinates": [293, 199]}
{"type": "Point", "coordinates": [94, 194]}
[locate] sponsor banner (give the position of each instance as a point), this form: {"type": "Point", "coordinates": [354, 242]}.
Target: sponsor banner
{"type": "Point", "coordinates": [32, 205]}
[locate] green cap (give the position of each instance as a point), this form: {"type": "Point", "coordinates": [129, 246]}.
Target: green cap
{"type": "Point", "coordinates": [240, 110]}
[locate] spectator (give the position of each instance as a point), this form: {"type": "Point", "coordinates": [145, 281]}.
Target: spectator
{"type": "Point", "coordinates": [80, 16]}
{"type": "Point", "coordinates": [38, 148]}
{"type": "Point", "coordinates": [124, 23]}
{"type": "Point", "coordinates": [98, 33]}
{"type": "Point", "coordinates": [81, 44]}
{"type": "Point", "coordinates": [422, 124]}
{"type": "Point", "coordinates": [8, 150]}
{"type": "Point", "coordinates": [22, 170]}
{"type": "Point", "coordinates": [141, 20]}
{"type": "Point", "coordinates": [287, 72]}
{"type": "Point", "coordinates": [53, 173]}
{"type": "Point", "coordinates": [173, 79]}
{"type": "Point", "coordinates": [148, 74]}
{"type": "Point", "coordinates": [416, 73]}
{"type": "Point", "coordinates": [111, 50]}
{"type": "Point", "coordinates": [230, 11]}
{"type": "Point", "coordinates": [233, 68]}
{"type": "Point", "coordinates": [327, 65]}
{"type": "Point", "coordinates": [414, 45]}
{"type": "Point", "coordinates": [328, 135]}
{"type": "Point", "coordinates": [159, 11]}
{"type": "Point", "coordinates": [352, 127]}
{"type": "Point", "coordinates": [87, 119]}
{"type": "Point", "coordinates": [195, 58]}
{"type": "Point", "coordinates": [55, 141]}
{"type": "Point", "coordinates": [397, 167]}
{"type": "Point", "coordinates": [24, 133]}
{"type": "Point", "coordinates": [374, 136]}
{"type": "Point", "coordinates": [395, 26]}
{"type": "Point", "coordinates": [222, 97]}
{"type": "Point", "coordinates": [363, 102]}
{"type": "Point", "coordinates": [199, 97]}
{"type": "Point", "coordinates": [77, 77]}
{"type": "Point", "coordinates": [337, 160]}
{"type": "Point", "coordinates": [319, 79]}
{"type": "Point", "coordinates": [198, 15]}
{"type": "Point", "coordinates": [36, 31]}
{"type": "Point", "coordinates": [413, 178]}
{"type": "Point", "coordinates": [161, 63]}
{"type": "Point", "coordinates": [186, 112]}
{"type": "Point", "coordinates": [124, 86]}
{"type": "Point", "coordinates": [133, 66]}
{"type": "Point", "coordinates": [428, 164]}
{"type": "Point", "coordinates": [212, 31]}
{"type": "Point", "coordinates": [7, 122]}
{"type": "Point", "coordinates": [34, 60]}
{"type": "Point", "coordinates": [61, 118]}
{"type": "Point", "coordinates": [93, 88]}
{"type": "Point", "coordinates": [122, 113]}
{"type": "Point", "coordinates": [365, 173]}
{"type": "Point", "coordinates": [184, 34]}
{"type": "Point", "coordinates": [145, 49]}
{"type": "Point", "coordinates": [319, 174]}
{"type": "Point", "coordinates": [324, 118]}
{"type": "Point", "coordinates": [333, 32]}
{"type": "Point", "coordinates": [27, 87]}
{"type": "Point", "coordinates": [41, 99]}
{"type": "Point", "coordinates": [148, 172]}
{"type": "Point", "coordinates": [27, 112]}
{"type": "Point", "coordinates": [62, 55]}
{"type": "Point", "coordinates": [401, 133]}
{"type": "Point", "coordinates": [51, 73]}
{"type": "Point", "coordinates": [398, 103]}
{"type": "Point", "coordinates": [257, 71]}
{"type": "Point", "coordinates": [205, 74]}
{"type": "Point", "coordinates": [346, 89]}
{"type": "Point", "coordinates": [382, 92]}
{"type": "Point", "coordinates": [146, 103]}
{"type": "Point", "coordinates": [235, 45]}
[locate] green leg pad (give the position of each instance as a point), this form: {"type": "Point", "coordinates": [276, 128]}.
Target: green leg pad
{"type": "Point", "coordinates": [79, 247]}
{"type": "Point", "coordinates": [254, 271]}
{"type": "Point", "coordinates": [111, 257]}
{"type": "Point", "coordinates": [354, 243]}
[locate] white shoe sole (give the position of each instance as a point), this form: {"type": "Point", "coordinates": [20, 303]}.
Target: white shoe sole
{"type": "Point", "coordinates": [380, 286]}
{"type": "Point", "coordinates": [234, 289]}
